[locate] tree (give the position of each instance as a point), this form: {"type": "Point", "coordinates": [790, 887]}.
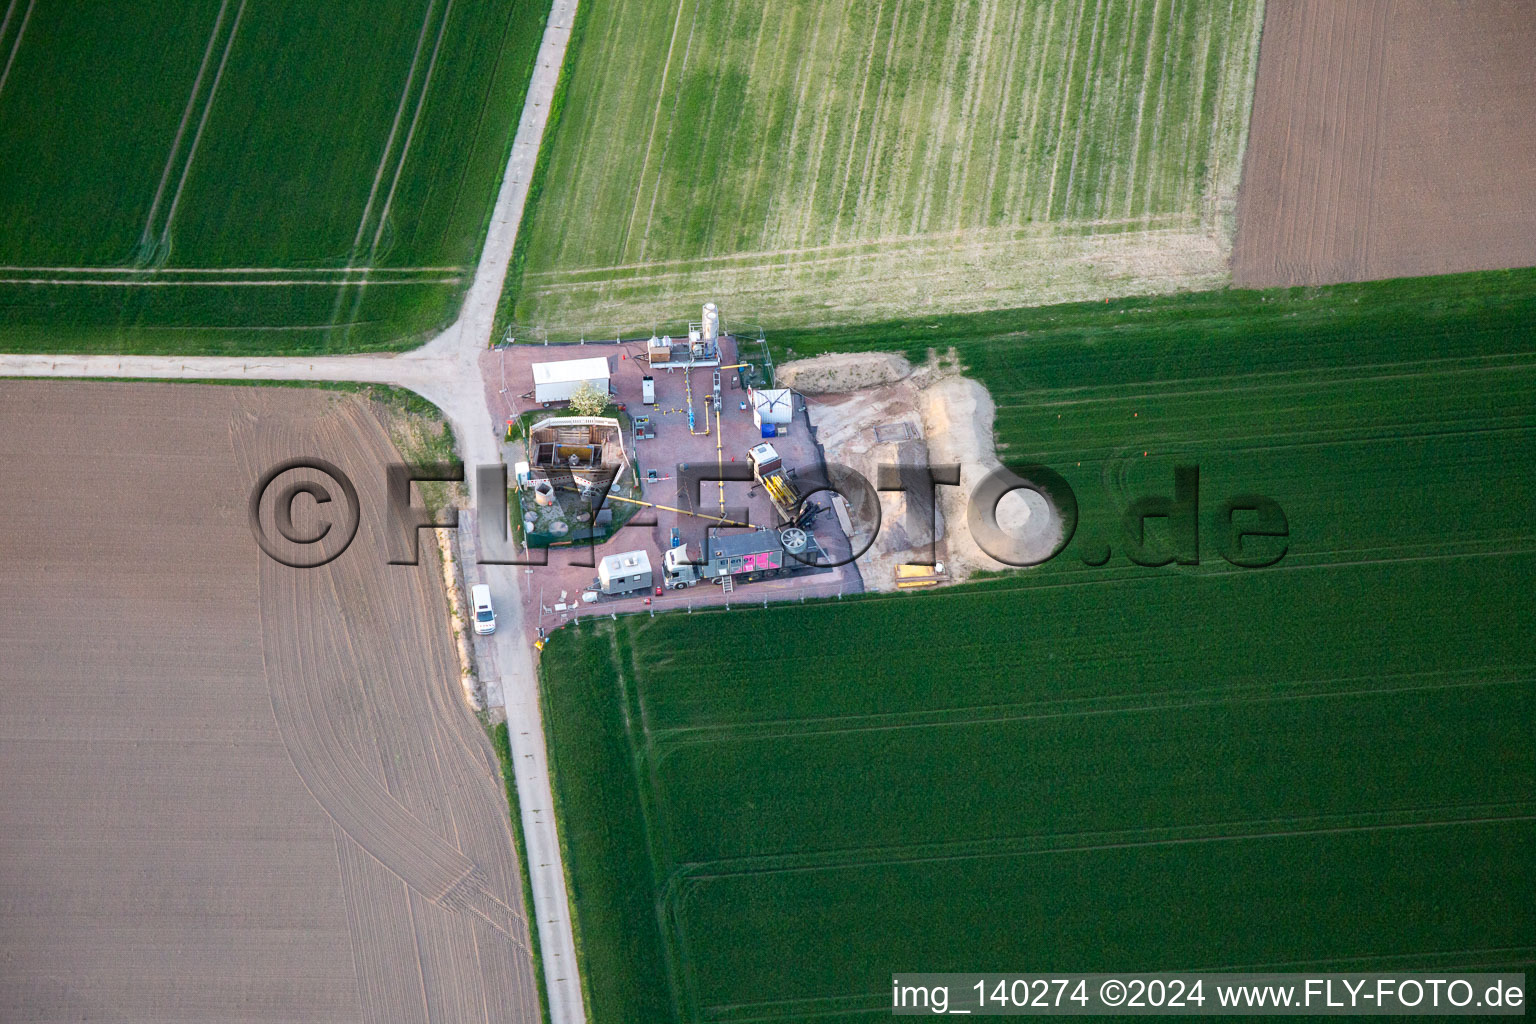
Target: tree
{"type": "Point", "coordinates": [588, 400]}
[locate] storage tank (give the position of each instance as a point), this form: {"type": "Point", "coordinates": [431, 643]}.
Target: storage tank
{"type": "Point", "coordinates": [711, 323]}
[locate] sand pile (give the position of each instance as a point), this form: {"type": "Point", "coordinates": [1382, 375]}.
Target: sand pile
{"type": "Point", "coordinates": [838, 373]}
{"type": "Point", "coordinates": [957, 420]}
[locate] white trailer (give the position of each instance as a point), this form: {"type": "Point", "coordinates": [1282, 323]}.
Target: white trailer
{"type": "Point", "coordinates": [624, 573]}
{"type": "Point", "coordinates": [556, 382]}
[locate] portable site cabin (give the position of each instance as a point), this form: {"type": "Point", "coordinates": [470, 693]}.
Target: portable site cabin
{"type": "Point", "coordinates": [556, 382]}
{"type": "Point", "coordinates": [772, 408]}
{"type": "Point", "coordinates": [624, 573]}
{"type": "Point", "coordinates": [648, 390]}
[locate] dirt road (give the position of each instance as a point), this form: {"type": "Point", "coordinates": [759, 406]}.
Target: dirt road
{"type": "Point", "coordinates": [446, 372]}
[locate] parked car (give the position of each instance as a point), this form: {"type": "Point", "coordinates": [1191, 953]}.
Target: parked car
{"type": "Point", "coordinates": [485, 615]}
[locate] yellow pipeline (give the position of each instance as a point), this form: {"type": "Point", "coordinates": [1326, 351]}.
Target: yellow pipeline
{"type": "Point", "coordinates": [720, 457]}
{"type": "Point", "coordinates": [680, 511]}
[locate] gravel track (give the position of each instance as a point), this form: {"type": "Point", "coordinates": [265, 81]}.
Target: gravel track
{"type": "Point", "coordinates": [446, 371]}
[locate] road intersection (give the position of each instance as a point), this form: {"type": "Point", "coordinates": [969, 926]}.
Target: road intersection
{"type": "Point", "coordinates": [445, 371]}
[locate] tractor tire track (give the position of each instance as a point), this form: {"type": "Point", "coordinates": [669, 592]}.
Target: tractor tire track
{"type": "Point", "coordinates": [162, 244]}
{"type": "Point", "coordinates": [21, 31]}
{"type": "Point", "coordinates": [366, 743]}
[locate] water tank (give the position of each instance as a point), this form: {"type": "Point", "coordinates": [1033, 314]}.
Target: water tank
{"type": "Point", "coordinates": [711, 322]}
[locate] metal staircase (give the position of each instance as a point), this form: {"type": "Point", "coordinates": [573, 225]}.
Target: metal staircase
{"type": "Point", "coordinates": [728, 585]}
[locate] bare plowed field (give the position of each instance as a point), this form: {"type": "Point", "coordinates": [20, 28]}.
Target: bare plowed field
{"type": "Point", "coordinates": [232, 789]}
{"type": "Point", "coordinates": [1390, 138]}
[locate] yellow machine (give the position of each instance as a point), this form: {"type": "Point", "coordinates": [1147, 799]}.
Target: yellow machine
{"type": "Point", "coordinates": [910, 577]}
{"type": "Point", "coordinates": [779, 491]}
{"type": "Point", "coordinates": [769, 471]}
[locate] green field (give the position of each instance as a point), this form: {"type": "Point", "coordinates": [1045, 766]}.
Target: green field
{"type": "Point", "coordinates": [228, 175]}
{"type": "Point", "coordinates": [825, 161]}
{"type": "Point", "coordinates": [1326, 763]}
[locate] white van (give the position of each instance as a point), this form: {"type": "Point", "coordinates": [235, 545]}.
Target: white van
{"type": "Point", "coordinates": [485, 615]}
